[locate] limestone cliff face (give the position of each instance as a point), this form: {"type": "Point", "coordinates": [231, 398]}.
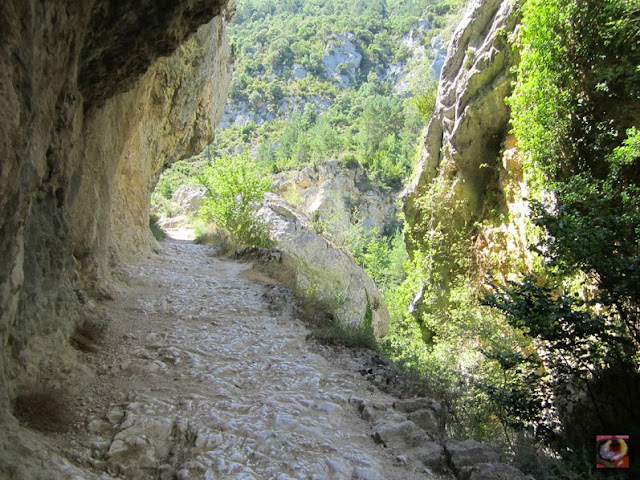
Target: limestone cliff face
{"type": "Point", "coordinates": [96, 97]}
{"type": "Point", "coordinates": [466, 199]}
{"type": "Point", "coordinates": [336, 197]}
{"type": "Point", "coordinates": [464, 138]}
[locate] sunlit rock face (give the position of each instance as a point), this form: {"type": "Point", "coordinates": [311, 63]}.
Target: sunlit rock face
{"type": "Point", "coordinates": [464, 137]}
{"type": "Point", "coordinates": [322, 271]}
{"type": "Point", "coordinates": [96, 97]}
{"type": "Point", "coordinates": [337, 197]}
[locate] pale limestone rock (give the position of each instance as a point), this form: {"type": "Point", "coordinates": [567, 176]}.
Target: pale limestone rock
{"type": "Point", "coordinates": [168, 115]}
{"type": "Point", "coordinates": [322, 270]}
{"type": "Point", "coordinates": [188, 198]}
{"type": "Point", "coordinates": [395, 431]}
{"type": "Point", "coordinates": [98, 96]}
{"type": "Point", "coordinates": [298, 71]}
{"type": "Point", "coordinates": [471, 118]}
{"type": "Point", "coordinates": [341, 59]}
{"type": "Point", "coordinates": [333, 196]}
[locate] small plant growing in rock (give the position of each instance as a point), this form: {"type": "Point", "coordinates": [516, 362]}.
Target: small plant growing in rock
{"type": "Point", "coordinates": [469, 58]}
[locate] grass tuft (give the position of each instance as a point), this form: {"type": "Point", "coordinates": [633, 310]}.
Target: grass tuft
{"type": "Point", "coordinates": [45, 411]}
{"type": "Point", "coordinates": [339, 334]}
{"type": "Point", "coordinates": [156, 229]}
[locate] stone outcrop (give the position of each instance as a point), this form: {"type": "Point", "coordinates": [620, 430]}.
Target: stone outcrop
{"type": "Point", "coordinates": [188, 198]}
{"type": "Point", "coordinates": [98, 96]}
{"type": "Point", "coordinates": [322, 271]}
{"type": "Point", "coordinates": [397, 427]}
{"type": "Point", "coordinates": [341, 59]}
{"type": "Point", "coordinates": [336, 196]}
{"type": "Point", "coordinates": [465, 135]}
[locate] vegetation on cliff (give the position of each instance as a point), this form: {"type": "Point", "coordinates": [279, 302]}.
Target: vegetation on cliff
{"type": "Point", "coordinates": [575, 106]}
{"type": "Point", "coordinates": [316, 81]}
{"type": "Point", "coordinates": [556, 357]}
{"type": "Point", "coordinates": [555, 341]}
{"type": "Point", "coordinates": [553, 351]}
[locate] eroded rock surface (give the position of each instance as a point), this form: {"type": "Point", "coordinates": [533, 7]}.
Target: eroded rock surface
{"type": "Point", "coordinates": [322, 271]}
{"type": "Point", "coordinates": [465, 135]}
{"type": "Point", "coordinates": [341, 58]}
{"type": "Point", "coordinates": [98, 96]}
{"type": "Point", "coordinates": [203, 376]}
{"type": "Point", "coordinates": [336, 197]}
{"type": "Point", "coordinates": [188, 198]}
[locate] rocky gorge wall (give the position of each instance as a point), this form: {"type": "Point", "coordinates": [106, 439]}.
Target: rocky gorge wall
{"type": "Point", "coordinates": [96, 98]}
{"type": "Point", "coordinates": [467, 150]}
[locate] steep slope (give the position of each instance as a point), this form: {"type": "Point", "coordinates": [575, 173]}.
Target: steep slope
{"type": "Point", "coordinates": [99, 97]}
{"type": "Point", "coordinates": [332, 83]}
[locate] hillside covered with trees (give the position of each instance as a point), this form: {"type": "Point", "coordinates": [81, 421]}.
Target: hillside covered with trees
{"type": "Point", "coordinates": [321, 80]}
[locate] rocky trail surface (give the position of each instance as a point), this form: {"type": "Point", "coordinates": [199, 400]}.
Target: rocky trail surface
{"type": "Point", "coordinates": [205, 372]}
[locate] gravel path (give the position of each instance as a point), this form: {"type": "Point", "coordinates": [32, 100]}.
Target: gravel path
{"type": "Point", "coordinates": [201, 376]}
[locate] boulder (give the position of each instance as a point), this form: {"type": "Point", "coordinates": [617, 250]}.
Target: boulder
{"type": "Point", "coordinates": [491, 471]}
{"type": "Point", "coordinates": [395, 431]}
{"type": "Point", "coordinates": [427, 420]}
{"type": "Point", "coordinates": [430, 454]}
{"type": "Point", "coordinates": [414, 404]}
{"type": "Point", "coordinates": [322, 271]}
{"type": "Point", "coordinates": [427, 413]}
{"type": "Point", "coordinates": [469, 453]}
{"type": "Point", "coordinates": [188, 198]}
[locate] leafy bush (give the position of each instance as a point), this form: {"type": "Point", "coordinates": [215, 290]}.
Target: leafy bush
{"type": "Point", "coordinates": [577, 79]}
{"type": "Point", "coordinates": [425, 101]}
{"type": "Point", "coordinates": [235, 187]}
{"type": "Point", "coordinates": [577, 82]}
{"type": "Point", "coordinates": [588, 329]}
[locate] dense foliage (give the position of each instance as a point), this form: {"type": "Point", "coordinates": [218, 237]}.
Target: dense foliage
{"type": "Point", "coordinates": [575, 104]}
{"type": "Point", "coordinates": [557, 353]}
{"type": "Point", "coordinates": [294, 108]}
{"type": "Point", "coordinates": [235, 187]}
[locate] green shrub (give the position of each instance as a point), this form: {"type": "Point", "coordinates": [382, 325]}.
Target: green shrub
{"type": "Point", "coordinates": [235, 187]}
{"type": "Point", "coordinates": [425, 101]}
{"type": "Point", "coordinates": [352, 336]}
{"type": "Point", "coordinates": [576, 84]}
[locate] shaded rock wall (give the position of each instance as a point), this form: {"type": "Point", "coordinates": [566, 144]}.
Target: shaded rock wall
{"type": "Point", "coordinates": [92, 109]}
